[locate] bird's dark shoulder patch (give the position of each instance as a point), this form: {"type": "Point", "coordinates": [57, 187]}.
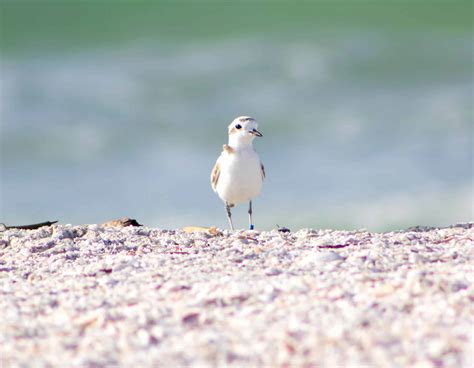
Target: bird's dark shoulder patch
{"type": "Point", "coordinates": [228, 149]}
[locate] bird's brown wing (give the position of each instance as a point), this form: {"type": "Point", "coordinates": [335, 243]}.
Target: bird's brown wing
{"type": "Point", "coordinates": [216, 171]}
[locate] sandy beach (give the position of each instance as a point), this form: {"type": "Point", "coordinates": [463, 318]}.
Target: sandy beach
{"type": "Point", "coordinates": [89, 296]}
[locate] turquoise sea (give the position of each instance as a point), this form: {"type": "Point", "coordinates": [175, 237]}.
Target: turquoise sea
{"type": "Point", "coordinates": [112, 109]}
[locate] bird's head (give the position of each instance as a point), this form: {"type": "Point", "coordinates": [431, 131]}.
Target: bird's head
{"type": "Point", "coordinates": [243, 130]}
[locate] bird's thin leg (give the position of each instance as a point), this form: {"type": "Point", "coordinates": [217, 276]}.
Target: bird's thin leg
{"type": "Point", "coordinates": [251, 227]}
{"type": "Point", "coordinates": [229, 215]}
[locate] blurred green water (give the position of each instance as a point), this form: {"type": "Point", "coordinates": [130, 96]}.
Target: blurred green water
{"type": "Point", "coordinates": [40, 25]}
{"type": "Point", "coordinates": [366, 109]}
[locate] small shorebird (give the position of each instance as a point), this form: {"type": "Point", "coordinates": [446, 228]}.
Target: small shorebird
{"type": "Point", "coordinates": [238, 174]}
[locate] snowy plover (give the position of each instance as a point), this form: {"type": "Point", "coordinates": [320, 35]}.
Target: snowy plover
{"type": "Point", "coordinates": [238, 173]}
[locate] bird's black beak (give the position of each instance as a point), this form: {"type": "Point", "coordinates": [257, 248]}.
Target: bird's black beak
{"type": "Point", "coordinates": [256, 133]}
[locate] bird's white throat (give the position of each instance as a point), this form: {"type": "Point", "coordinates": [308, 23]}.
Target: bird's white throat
{"type": "Point", "coordinates": [239, 142]}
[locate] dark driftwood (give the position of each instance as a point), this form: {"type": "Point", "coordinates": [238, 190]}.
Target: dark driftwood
{"type": "Point", "coordinates": [121, 223]}
{"type": "Point", "coordinates": [27, 227]}
{"type": "Point", "coordinates": [114, 223]}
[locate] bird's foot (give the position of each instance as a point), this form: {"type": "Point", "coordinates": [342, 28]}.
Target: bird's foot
{"type": "Point", "coordinates": [251, 227]}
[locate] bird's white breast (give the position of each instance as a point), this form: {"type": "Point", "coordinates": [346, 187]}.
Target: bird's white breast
{"type": "Point", "coordinates": [240, 178]}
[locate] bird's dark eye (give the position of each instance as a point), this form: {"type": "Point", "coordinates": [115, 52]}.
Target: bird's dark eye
{"type": "Point", "coordinates": [238, 126]}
